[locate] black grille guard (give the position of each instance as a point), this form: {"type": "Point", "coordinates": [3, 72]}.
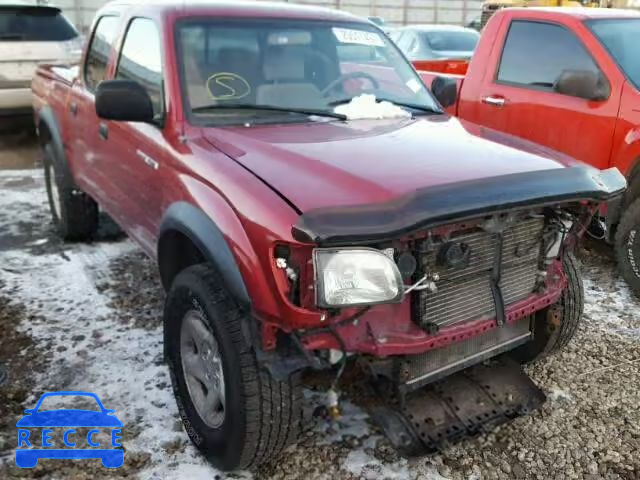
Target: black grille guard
{"type": "Point", "coordinates": [442, 204]}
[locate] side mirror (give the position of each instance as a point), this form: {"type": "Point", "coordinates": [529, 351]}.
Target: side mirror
{"type": "Point", "coordinates": [583, 84]}
{"type": "Point", "coordinates": [123, 100]}
{"type": "Point", "coordinates": [445, 90]}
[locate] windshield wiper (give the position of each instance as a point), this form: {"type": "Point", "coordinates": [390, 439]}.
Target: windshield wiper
{"type": "Point", "coordinates": [394, 102]}
{"type": "Point", "coordinates": [271, 108]}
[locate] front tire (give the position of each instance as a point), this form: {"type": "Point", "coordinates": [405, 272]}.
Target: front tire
{"type": "Point", "coordinates": [627, 246]}
{"type": "Point", "coordinates": [556, 325]}
{"type": "Point", "coordinates": [235, 413]}
{"type": "Point", "coordinates": [74, 213]}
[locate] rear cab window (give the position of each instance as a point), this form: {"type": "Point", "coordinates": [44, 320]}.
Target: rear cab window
{"type": "Point", "coordinates": [34, 24]}
{"type": "Point", "coordinates": [95, 67]}
{"type": "Point", "coordinates": [536, 53]}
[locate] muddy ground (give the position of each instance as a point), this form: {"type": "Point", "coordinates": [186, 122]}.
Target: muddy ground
{"type": "Point", "coordinates": [87, 317]}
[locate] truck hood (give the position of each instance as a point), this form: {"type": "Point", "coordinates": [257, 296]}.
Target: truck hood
{"type": "Point", "coordinates": [327, 164]}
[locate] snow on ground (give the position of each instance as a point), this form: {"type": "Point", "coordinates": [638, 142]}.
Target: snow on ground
{"type": "Point", "coordinates": [611, 306]}
{"type": "Point", "coordinates": [92, 350]}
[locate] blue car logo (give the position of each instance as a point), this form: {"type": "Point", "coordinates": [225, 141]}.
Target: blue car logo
{"type": "Point", "coordinates": [31, 449]}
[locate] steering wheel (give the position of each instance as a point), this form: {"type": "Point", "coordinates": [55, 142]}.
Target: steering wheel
{"type": "Point", "coordinates": [348, 76]}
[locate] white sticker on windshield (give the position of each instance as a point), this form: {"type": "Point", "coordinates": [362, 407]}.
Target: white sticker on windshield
{"type": "Point", "coordinates": [358, 37]}
{"type": "Point", "coordinates": [413, 85]}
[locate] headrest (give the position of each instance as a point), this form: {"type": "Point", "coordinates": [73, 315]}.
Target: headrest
{"type": "Point", "coordinates": [284, 63]}
{"type": "Point", "coordinates": [235, 56]}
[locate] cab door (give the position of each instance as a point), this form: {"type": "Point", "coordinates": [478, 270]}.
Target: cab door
{"type": "Point", "coordinates": [138, 151]}
{"type": "Point", "coordinates": [520, 97]}
{"type": "Point", "coordinates": [84, 139]}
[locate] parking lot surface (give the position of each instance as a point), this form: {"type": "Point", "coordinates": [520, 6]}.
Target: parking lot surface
{"type": "Point", "coordinates": [88, 317]}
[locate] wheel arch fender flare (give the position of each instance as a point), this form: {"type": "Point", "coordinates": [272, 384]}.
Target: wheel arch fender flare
{"type": "Point", "coordinates": [207, 237]}
{"type": "Point", "coordinates": [48, 119]}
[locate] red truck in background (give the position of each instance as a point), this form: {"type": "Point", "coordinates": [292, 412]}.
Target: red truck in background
{"type": "Point", "coordinates": [568, 79]}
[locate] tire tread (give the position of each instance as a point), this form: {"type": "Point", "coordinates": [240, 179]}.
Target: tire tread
{"type": "Point", "coordinates": [630, 220]}
{"type": "Point", "coordinates": [78, 219]}
{"type": "Point", "coordinates": [273, 408]}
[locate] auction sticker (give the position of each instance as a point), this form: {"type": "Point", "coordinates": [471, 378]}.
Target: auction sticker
{"type": "Point", "coordinates": [358, 37]}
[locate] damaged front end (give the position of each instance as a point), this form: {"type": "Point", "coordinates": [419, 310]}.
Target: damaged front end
{"type": "Point", "coordinates": [459, 274]}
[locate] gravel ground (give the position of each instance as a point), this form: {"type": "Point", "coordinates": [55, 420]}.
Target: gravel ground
{"type": "Point", "coordinates": [87, 317]}
{"type": "Point", "coordinates": [18, 144]}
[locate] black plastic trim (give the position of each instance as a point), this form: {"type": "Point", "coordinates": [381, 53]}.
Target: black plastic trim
{"type": "Point", "coordinates": [433, 206]}
{"type": "Point", "coordinates": [496, 276]}
{"type": "Point", "coordinates": [47, 117]}
{"type": "Point", "coordinates": [192, 222]}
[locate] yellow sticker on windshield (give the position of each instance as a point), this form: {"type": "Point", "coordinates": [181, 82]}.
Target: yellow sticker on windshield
{"type": "Point", "coordinates": [227, 86]}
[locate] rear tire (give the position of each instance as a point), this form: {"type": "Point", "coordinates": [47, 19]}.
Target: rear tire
{"type": "Point", "coordinates": [256, 416]}
{"type": "Point", "coordinates": [74, 213]}
{"type": "Point", "coordinates": [556, 325]}
{"type": "Point", "coordinates": [627, 246]}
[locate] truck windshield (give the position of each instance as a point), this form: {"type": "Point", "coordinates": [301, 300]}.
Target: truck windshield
{"type": "Point", "coordinates": [305, 66]}
{"type": "Point", "coordinates": [34, 24]}
{"type": "Point", "coordinates": [620, 37]}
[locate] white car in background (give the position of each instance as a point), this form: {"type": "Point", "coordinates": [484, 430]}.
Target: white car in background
{"type": "Point", "coordinates": [436, 42]}
{"type": "Point", "coordinates": [31, 34]}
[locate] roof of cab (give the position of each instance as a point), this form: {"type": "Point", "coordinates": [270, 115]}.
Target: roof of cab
{"type": "Point", "coordinates": [238, 8]}
{"type": "Point", "coordinates": [26, 4]}
{"type": "Point", "coordinates": [580, 12]}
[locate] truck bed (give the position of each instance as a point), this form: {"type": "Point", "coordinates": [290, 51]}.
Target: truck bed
{"type": "Point", "coordinates": [51, 85]}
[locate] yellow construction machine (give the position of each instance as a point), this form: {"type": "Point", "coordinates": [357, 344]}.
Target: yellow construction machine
{"type": "Point", "coordinates": [489, 7]}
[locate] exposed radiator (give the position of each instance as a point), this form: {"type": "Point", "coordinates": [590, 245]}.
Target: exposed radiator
{"type": "Point", "coordinates": [463, 276]}
{"type": "Point", "coordinates": [419, 370]}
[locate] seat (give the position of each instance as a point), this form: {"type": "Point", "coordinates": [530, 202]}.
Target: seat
{"type": "Point", "coordinates": [243, 63]}
{"type": "Point", "coordinates": [285, 81]}
{"type": "Point", "coordinates": [239, 62]}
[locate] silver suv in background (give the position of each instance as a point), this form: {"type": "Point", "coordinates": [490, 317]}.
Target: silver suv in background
{"type": "Point", "coordinates": [29, 35]}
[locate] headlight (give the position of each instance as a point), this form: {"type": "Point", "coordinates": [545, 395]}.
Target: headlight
{"type": "Point", "coordinates": [355, 276]}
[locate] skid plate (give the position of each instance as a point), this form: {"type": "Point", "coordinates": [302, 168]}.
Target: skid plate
{"type": "Point", "coordinates": [463, 405]}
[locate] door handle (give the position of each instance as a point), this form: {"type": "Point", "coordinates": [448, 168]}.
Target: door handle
{"type": "Point", "coordinates": [73, 108]}
{"type": "Point", "coordinates": [494, 101]}
{"type": "Point", "coordinates": [104, 131]}
{"type": "Point", "coordinates": [149, 162]}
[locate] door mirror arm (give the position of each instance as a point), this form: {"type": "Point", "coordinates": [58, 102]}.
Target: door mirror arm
{"type": "Point", "coordinates": [159, 120]}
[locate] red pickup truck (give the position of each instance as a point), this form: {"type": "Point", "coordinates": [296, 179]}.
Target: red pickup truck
{"type": "Point", "coordinates": [568, 79]}
{"type": "Point", "coordinates": [297, 223]}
